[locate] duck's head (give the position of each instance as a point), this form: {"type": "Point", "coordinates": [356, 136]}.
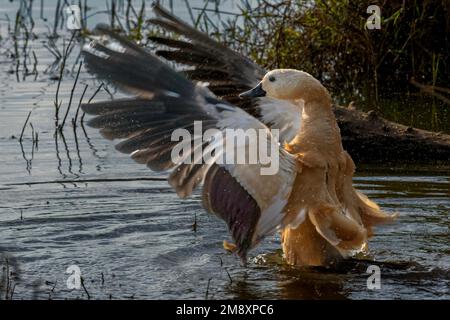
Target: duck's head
{"type": "Point", "coordinates": [288, 84]}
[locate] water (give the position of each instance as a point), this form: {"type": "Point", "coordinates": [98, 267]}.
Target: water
{"type": "Point", "coordinates": [74, 200]}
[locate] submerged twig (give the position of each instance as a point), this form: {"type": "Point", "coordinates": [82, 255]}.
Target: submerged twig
{"type": "Point", "coordinates": [84, 288]}
{"type": "Point", "coordinates": [194, 225]}
{"type": "Point", "coordinates": [71, 97]}
{"type": "Point", "coordinates": [229, 276]}
{"type": "Point", "coordinates": [90, 99]}
{"type": "Point", "coordinates": [24, 126]}
{"type": "Point", "coordinates": [63, 64]}
{"type": "Point", "coordinates": [207, 289]}
{"type": "Point", "coordinates": [74, 120]}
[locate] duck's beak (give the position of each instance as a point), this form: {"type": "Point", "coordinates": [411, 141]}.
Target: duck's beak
{"type": "Point", "coordinates": [257, 91]}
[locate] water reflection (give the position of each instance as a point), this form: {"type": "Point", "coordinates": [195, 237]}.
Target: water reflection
{"type": "Point", "coordinates": [27, 160]}
{"type": "Point", "coordinates": [77, 148]}
{"type": "Point", "coordinates": [121, 218]}
{"type": "Point", "coordinates": [9, 275]}
{"type": "Point", "coordinates": [312, 285]}
{"type": "Point", "coordinates": [344, 280]}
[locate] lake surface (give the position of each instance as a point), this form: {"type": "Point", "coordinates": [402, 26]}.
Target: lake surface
{"type": "Point", "coordinates": [73, 200]}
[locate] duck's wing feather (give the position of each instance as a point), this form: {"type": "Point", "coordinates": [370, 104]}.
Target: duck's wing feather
{"type": "Point", "coordinates": [250, 203]}
{"type": "Point", "coordinates": [226, 72]}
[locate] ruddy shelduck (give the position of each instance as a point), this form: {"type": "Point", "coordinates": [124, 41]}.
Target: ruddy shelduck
{"type": "Point", "coordinates": [310, 198]}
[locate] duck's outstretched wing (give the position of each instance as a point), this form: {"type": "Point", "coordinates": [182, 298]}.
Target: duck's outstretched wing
{"type": "Point", "coordinates": [226, 72]}
{"type": "Point", "coordinates": [250, 202]}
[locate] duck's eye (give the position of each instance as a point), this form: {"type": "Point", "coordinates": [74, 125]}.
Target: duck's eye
{"type": "Point", "coordinates": [272, 79]}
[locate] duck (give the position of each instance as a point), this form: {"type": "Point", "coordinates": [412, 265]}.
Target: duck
{"type": "Point", "coordinates": [310, 199]}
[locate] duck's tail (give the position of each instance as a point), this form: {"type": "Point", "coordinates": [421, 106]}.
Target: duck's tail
{"type": "Point", "coordinates": [324, 237]}
{"type": "Point", "coordinates": [371, 214]}
{"type": "Point", "coordinates": [344, 233]}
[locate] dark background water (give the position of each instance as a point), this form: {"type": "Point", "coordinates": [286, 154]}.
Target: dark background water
{"type": "Point", "coordinates": [73, 199]}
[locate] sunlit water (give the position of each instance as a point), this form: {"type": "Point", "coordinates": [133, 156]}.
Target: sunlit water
{"type": "Point", "coordinates": [74, 200]}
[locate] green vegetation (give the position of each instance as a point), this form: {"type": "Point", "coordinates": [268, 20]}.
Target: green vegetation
{"type": "Point", "coordinates": [375, 68]}
{"type": "Point", "coordinates": [402, 70]}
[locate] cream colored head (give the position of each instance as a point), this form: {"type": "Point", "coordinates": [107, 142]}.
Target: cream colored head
{"type": "Point", "coordinates": [289, 84]}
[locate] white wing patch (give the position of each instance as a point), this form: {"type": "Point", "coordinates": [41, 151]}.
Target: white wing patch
{"type": "Point", "coordinates": [273, 213]}
{"type": "Point", "coordinates": [271, 192]}
{"type": "Point", "coordinates": [283, 115]}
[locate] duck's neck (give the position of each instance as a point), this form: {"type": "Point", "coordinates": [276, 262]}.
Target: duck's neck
{"type": "Point", "coordinates": [319, 129]}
